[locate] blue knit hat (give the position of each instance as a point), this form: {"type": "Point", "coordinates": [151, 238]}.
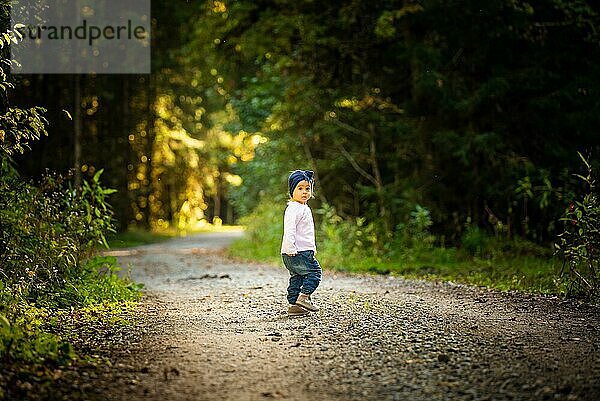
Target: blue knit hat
{"type": "Point", "coordinates": [300, 175]}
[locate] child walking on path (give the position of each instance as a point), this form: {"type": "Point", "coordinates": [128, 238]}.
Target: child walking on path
{"type": "Point", "coordinates": [298, 245]}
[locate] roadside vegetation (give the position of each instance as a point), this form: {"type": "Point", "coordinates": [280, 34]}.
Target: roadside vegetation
{"type": "Point", "coordinates": [58, 298]}
{"type": "Point", "coordinates": [506, 264]}
{"type": "Point", "coordinates": [53, 283]}
{"type": "Point", "coordinates": [567, 266]}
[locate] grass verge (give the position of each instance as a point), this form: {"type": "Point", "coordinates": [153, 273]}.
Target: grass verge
{"type": "Point", "coordinates": [524, 273]}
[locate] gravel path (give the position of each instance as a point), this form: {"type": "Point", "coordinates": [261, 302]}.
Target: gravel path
{"type": "Point", "coordinates": [216, 329]}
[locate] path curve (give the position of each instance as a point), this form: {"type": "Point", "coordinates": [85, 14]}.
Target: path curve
{"type": "Point", "coordinates": [216, 329]}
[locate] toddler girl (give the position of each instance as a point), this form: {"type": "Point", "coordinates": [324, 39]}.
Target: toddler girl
{"type": "Point", "coordinates": [298, 245]}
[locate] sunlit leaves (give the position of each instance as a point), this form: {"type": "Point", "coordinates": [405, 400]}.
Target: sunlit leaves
{"type": "Point", "coordinates": [385, 27]}
{"type": "Point", "coordinates": [67, 114]}
{"type": "Point", "coordinates": [20, 127]}
{"type": "Point", "coordinates": [219, 7]}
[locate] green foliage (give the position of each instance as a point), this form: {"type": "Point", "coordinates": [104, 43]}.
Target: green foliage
{"type": "Point", "coordinates": [48, 233]}
{"type": "Point", "coordinates": [416, 126]}
{"type": "Point", "coordinates": [474, 240]}
{"type": "Point", "coordinates": [395, 105]}
{"type": "Point", "coordinates": [97, 282]}
{"type": "Point", "coordinates": [263, 234]}
{"type": "Point", "coordinates": [385, 24]}
{"type": "Point", "coordinates": [340, 240]}
{"type": "Point", "coordinates": [98, 213]}
{"type": "Point", "coordinates": [19, 127]}
{"type": "Point", "coordinates": [132, 238]}
{"type": "Point", "coordinates": [478, 243]}
{"type": "Point", "coordinates": [353, 245]}
{"type": "Point", "coordinates": [48, 236]}
{"type": "Point", "coordinates": [24, 340]}
{"type": "Point", "coordinates": [416, 232]}
{"type": "Point", "coordinates": [579, 243]}
{"type": "Point", "coordinates": [42, 343]}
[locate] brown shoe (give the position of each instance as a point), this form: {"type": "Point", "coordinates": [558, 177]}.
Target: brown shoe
{"type": "Point", "coordinates": [296, 310]}
{"type": "Point", "coordinates": [306, 303]}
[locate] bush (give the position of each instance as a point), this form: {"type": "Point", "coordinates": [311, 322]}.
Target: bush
{"type": "Point", "coordinates": [579, 243]}
{"type": "Point", "coordinates": [474, 240]}
{"type": "Point", "coordinates": [24, 340]}
{"type": "Point", "coordinates": [337, 239]}
{"type": "Point", "coordinates": [357, 246]}
{"type": "Point", "coordinates": [49, 232]}
{"type": "Point", "coordinates": [340, 239]}
{"type": "Point", "coordinates": [264, 231]}
{"type": "Point", "coordinates": [48, 238]}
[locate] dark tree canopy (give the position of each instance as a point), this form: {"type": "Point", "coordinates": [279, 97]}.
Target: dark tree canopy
{"type": "Point", "coordinates": [474, 110]}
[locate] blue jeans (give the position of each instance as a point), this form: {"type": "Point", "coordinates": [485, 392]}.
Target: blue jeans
{"type": "Point", "coordinates": [305, 274]}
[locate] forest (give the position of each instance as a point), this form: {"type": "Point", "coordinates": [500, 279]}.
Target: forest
{"type": "Point", "coordinates": [472, 110]}
{"type": "Point", "coordinates": [458, 121]}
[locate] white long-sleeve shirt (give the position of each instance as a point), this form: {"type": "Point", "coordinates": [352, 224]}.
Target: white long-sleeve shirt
{"type": "Point", "coordinates": [298, 229]}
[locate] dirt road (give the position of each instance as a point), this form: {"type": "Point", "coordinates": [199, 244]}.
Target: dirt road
{"type": "Point", "coordinates": [216, 329]}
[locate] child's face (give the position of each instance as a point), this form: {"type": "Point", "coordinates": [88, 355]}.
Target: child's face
{"type": "Point", "coordinates": [302, 192]}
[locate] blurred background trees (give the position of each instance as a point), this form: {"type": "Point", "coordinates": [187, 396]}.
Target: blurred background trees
{"type": "Point", "coordinates": [468, 112]}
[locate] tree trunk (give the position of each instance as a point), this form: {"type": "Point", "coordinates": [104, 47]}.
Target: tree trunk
{"type": "Point", "coordinates": [77, 128]}
{"type": "Point", "coordinates": [149, 148]}
{"type": "Point", "coordinates": [125, 213]}
{"type": "Point", "coordinates": [217, 199]}
{"type": "Point", "coordinates": [313, 166]}
{"type": "Point", "coordinates": [383, 213]}
{"type": "Point", "coordinates": [229, 215]}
